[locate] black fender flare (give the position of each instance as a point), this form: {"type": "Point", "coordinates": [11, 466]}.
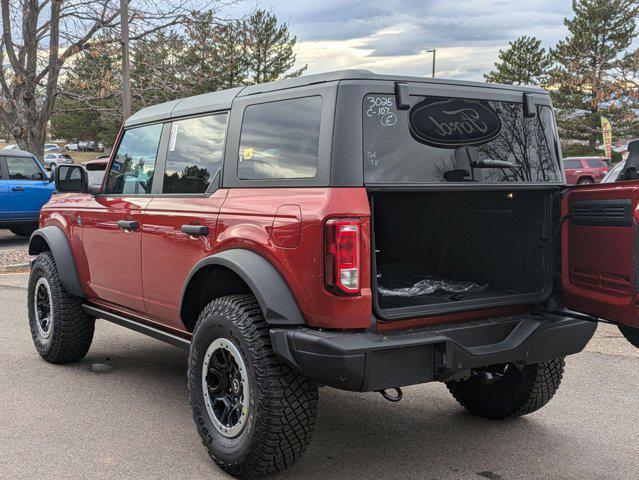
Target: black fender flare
{"type": "Point", "coordinates": [58, 243]}
{"type": "Point", "coordinates": [266, 283]}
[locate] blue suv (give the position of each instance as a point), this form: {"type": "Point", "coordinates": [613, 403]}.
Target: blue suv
{"type": "Point", "coordinates": [24, 189]}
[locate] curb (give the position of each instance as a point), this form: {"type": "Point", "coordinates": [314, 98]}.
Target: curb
{"type": "Point", "coordinates": [17, 266]}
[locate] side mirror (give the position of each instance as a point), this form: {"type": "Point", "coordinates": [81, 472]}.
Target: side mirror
{"type": "Point", "coordinates": [71, 179]}
{"type": "Point", "coordinates": [52, 174]}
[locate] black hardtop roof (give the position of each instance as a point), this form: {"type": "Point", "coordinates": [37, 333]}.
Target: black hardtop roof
{"type": "Point", "coordinates": [222, 100]}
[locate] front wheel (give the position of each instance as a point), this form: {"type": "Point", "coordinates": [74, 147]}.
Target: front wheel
{"type": "Point", "coordinates": [62, 331]}
{"type": "Point", "coordinates": [506, 391]}
{"type": "Point", "coordinates": [631, 334]}
{"type": "Point", "coordinates": [255, 414]}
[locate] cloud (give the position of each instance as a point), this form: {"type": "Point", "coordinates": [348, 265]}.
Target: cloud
{"type": "Point", "coordinates": [390, 36]}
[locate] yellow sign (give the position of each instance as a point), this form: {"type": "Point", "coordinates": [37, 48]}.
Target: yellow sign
{"type": "Point", "coordinates": [606, 128]}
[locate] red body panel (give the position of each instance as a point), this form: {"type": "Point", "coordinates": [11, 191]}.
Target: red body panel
{"type": "Point", "coordinates": [598, 263]}
{"type": "Point", "coordinates": [168, 255]}
{"type": "Point", "coordinates": [247, 221]}
{"type": "Point", "coordinates": [142, 273]}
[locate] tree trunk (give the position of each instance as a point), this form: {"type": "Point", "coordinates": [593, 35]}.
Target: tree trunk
{"type": "Point", "coordinates": [33, 140]}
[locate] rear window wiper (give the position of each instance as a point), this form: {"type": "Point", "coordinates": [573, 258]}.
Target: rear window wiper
{"type": "Point", "coordinates": [490, 163]}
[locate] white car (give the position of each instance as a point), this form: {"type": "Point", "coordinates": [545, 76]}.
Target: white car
{"type": "Point", "coordinates": [51, 147]}
{"type": "Point", "coordinates": [55, 159]}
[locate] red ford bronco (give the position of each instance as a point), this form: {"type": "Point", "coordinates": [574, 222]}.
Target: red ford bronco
{"type": "Point", "coordinates": [352, 230]}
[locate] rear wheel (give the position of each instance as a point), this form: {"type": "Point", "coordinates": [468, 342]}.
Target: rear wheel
{"type": "Point", "coordinates": [585, 181]}
{"type": "Point", "coordinates": [61, 330]}
{"type": "Point", "coordinates": [632, 334]}
{"type": "Point", "coordinates": [506, 391]}
{"type": "Point", "coordinates": [23, 230]}
{"type": "Point", "coordinates": [255, 415]}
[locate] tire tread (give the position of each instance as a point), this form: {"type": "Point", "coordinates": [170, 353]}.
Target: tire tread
{"type": "Point", "coordinates": [288, 401]}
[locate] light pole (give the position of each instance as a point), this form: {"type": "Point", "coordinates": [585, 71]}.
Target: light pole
{"type": "Point", "coordinates": [434, 52]}
{"type": "Point", "coordinates": [126, 73]}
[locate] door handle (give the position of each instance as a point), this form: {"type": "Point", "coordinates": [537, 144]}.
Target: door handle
{"type": "Point", "coordinates": [17, 189]}
{"type": "Point", "coordinates": [195, 230]}
{"type": "Point", "coordinates": [127, 225]}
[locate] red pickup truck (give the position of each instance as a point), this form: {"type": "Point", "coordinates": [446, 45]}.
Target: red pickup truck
{"type": "Point", "coordinates": [353, 230]}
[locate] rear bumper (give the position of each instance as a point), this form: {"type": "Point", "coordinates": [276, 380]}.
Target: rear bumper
{"type": "Point", "coordinates": [366, 361]}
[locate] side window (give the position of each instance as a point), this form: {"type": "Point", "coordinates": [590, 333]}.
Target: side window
{"type": "Point", "coordinates": [133, 167]}
{"type": "Point", "coordinates": [23, 168]}
{"type": "Point", "coordinates": [196, 150]}
{"type": "Point", "coordinates": [594, 163]}
{"type": "Point", "coordinates": [280, 139]}
{"type": "Point", "coordinates": [572, 164]}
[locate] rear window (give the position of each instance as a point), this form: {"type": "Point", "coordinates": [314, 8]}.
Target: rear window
{"type": "Point", "coordinates": [280, 139]}
{"type": "Point", "coordinates": [572, 164]}
{"type": "Point", "coordinates": [442, 139]}
{"type": "Point", "coordinates": [595, 163]}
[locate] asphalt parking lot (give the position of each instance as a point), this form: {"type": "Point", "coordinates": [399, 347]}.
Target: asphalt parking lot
{"type": "Point", "coordinates": [9, 241]}
{"type": "Point", "coordinates": [131, 419]}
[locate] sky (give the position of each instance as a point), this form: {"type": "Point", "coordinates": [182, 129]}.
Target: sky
{"type": "Point", "coordinates": [391, 36]}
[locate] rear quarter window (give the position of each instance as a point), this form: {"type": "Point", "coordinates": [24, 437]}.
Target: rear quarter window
{"type": "Point", "coordinates": [595, 163]}
{"type": "Point", "coordinates": [280, 140]}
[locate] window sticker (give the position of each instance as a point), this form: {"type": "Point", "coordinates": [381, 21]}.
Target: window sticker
{"type": "Point", "coordinates": [247, 154]}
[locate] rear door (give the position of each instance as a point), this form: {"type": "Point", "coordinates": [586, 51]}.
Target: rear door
{"type": "Point", "coordinates": [29, 187]}
{"type": "Point", "coordinates": [180, 220]}
{"type": "Point", "coordinates": [600, 248]}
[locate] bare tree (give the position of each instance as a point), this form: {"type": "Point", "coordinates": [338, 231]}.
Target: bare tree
{"type": "Point", "coordinates": [40, 36]}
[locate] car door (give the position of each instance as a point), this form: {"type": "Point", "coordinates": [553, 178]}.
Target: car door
{"type": "Point", "coordinates": [180, 220]}
{"type": "Point", "coordinates": [28, 185]}
{"type": "Point", "coordinates": [600, 251]}
{"type": "Point", "coordinates": [4, 192]}
{"type": "Point", "coordinates": [112, 225]}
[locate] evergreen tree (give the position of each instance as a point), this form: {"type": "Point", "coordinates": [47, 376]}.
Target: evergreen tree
{"type": "Point", "coordinates": [270, 46]}
{"type": "Point", "coordinates": [88, 107]}
{"type": "Point", "coordinates": [524, 62]}
{"type": "Point", "coordinates": [158, 70]}
{"type": "Point", "coordinates": [216, 55]}
{"type": "Point", "coordinates": [584, 81]}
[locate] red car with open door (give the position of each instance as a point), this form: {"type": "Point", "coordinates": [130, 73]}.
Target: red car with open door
{"type": "Point", "coordinates": [358, 231]}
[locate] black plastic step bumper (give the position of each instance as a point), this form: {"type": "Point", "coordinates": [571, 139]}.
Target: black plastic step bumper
{"type": "Point", "coordinates": [366, 361]}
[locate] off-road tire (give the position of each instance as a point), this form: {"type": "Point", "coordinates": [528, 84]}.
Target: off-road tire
{"type": "Point", "coordinates": [518, 393]}
{"type": "Point", "coordinates": [283, 403]}
{"type": "Point", "coordinates": [23, 230]}
{"type": "Point", "coordinates": [72, 328]}
{"type": "Point", "coordinates": [632, 334]}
